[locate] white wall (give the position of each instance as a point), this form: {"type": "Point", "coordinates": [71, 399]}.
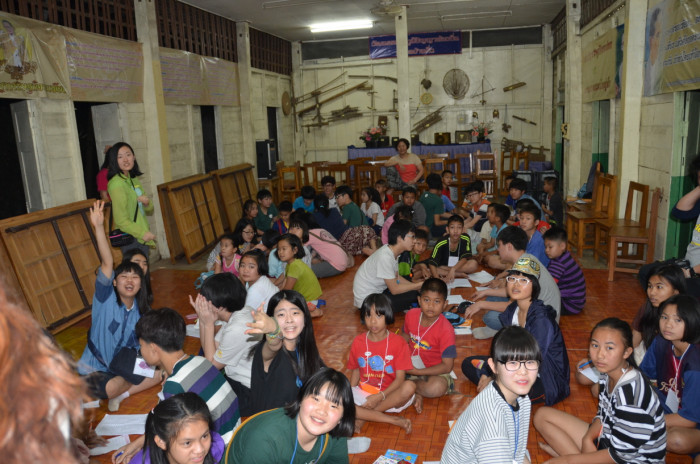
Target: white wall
{"type": "Point", "coordinates": [501, 67]}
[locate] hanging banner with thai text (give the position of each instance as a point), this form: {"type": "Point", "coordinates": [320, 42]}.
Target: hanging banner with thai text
{"type": "Point", "coordinates": [419, 44]}
{"type": "Point", "coordinates": [190, 79]}
{"type": "Point", "coordinates": [598, 67]}
{"type": "Point", "coordinates": [672, 47]}
{"type": "Point", "coordinates": [103, 69]}
{"type": "Point", "coordinates": [32, 59]}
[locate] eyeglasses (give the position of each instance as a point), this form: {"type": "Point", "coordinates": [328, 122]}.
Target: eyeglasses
{"type": "Point", "coordinates": [512, 366]}
{"type": "Point", "coordinates": [521, 280]}
{"type": "Point", "coordinates": [339, 195]}
{"type": "Point", "coordinates": [472, 194]}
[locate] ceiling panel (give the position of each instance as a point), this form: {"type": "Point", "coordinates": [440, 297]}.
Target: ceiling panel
{"type": "Point", "coordinates": [290, 19]}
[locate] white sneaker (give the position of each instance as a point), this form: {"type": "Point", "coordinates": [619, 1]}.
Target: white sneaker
{"type": "Point", "coordinates": [483, 333]}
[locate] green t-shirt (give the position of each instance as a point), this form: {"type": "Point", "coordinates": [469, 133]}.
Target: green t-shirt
{"type": "Point", "coordinates": [307, 282]}
{"type": "Point", "coordinates": [433, 205]}
{"type": "Point", "coordinates": [264, 221]}
{"type": "Point", "coordinates": [354, 215]}
{"type": "Point", "coordinates": [270, 436]}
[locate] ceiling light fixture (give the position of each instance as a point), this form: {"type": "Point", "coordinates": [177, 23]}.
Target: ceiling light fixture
{"type": "Point", "coordinates": [287, 3]}
{"type": "Point", "coordinates": [342, 25]}
{"type": "Point", "coordinates": [480, 14]}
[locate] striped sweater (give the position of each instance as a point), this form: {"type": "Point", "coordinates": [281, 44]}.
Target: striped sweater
{"type": "Point", "coordinates": [485, 432]}
{"type": "Point", "coordinates": [197, 375]}
{"type": "Point", "coordinates": [634, 429]}
{"type": "Point", "coordinates": [571, 283]}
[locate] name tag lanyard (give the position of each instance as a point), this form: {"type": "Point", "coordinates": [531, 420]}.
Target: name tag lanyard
{"type": "Point", "coordinates": [416, 348]}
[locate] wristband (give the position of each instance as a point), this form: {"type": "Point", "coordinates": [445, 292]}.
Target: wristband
{"type": "Point", "coordinates": [383, 395]}
{"type": "Point", "coordinates": [276, 333]}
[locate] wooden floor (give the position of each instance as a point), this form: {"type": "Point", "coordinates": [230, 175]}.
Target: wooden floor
{"type": "Point", "coordinates": [337, 328]}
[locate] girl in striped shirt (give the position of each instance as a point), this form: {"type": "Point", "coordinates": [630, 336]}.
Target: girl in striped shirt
{"type": "Point", "coordinates": [494, 428]}
{"type": "Point", "coordinates": [629, 425]}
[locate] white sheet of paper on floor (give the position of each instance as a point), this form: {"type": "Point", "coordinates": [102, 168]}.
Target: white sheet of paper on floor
{"type": "Point", "coordinates": [482, 277]}
{"type": "Point", "coordinates": [192, 330]}
{"type": "Point", "coordinates": [459, 283]}
{"type": "Point", "coordinates": [453, 375]}
{"type": "Point", "coordinates": [121, 424]}
{"type": "Point", "coordinates": [591, 373]}
{"type": "Point", "coordinates": [112, 444]}
{"type": "Point", "coordinates": [454, 299]}
{"type": "Point", "coordinates": [91, 404]}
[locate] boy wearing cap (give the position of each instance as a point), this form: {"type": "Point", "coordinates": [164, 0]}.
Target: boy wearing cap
{"type": "Point", "coordinates": [538, 318]}
{"type": "Point", "coordinates": [512, 242]}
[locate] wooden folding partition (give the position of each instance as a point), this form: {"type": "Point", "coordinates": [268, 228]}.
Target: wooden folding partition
{"type": "Point", "coordinates": [190, 215]}
{"type": "Point", "coordinates": [53, 256]}
{"type": "Point", "coordinates": [234, 185]}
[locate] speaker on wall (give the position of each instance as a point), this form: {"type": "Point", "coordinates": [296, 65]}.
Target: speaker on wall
{"type": "Point", "coordinates": [463, 137]}
{"type": "Point", "coordinates": [443, 138]}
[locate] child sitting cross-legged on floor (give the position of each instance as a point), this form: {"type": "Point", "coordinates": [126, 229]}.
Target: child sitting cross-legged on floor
{"type": "Point", "coordinates": [378, 361]}
{"type": "Point", "coordinates": [565, 271]}
{"type": "Point", "coordinates": [452, 257]}
{"type": "Point", "coordinates": [487, 250]}
{"type": "Point", "coordinates": [431, 342]}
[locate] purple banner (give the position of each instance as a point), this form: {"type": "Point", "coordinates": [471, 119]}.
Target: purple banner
{"type": "Point", "coordinates": [420, 44]}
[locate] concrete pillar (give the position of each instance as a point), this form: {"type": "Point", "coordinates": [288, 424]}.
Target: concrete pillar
{"type": "Point", "coordinates": [156, 132]}
{"type": "Point", "coordinates": [297, 91]}
{"type": "Point", "coordinates": [573, 113]}
{"type": "Point", "coordinates": [244, 80]}
{"type": "Point", "coordinates": [402, 73]}
{"type": "Point", "coordinates": [627, 164]}
{"type": "Point", "coordinates": [547, 136]}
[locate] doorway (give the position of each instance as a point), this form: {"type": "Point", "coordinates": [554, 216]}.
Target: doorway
{"type": "Point", "coordinates": [211, 162]}
{"type": "Point", "coordinates": [601, 134]}
{"type": "Point", "coordinates": [12, 191]}
{"type": "Point", "coordinates": [272, 128]}
{"type": "Point", "coordinates": [679, 233]}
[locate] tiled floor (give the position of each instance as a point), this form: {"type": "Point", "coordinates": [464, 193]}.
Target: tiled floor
{"type": "Point", "coordinates": [336, 329]}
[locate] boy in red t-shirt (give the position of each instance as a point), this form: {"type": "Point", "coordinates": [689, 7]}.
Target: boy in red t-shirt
{"type": "Point", "coordinates": [431, 342]}
{"type": "Point", "coordinates": [378, 361]}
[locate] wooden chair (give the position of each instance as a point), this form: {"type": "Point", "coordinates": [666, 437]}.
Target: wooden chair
{"type": "Point", "coordinates": [580, 224]}
{"type": "Point", "coordinates": [290, 181]}
{"type": "Point", "coordinates": [506, 170]}
{"type": "Point", "coordinates": [521, 161]}
{"type": "Point", "coordinates": [622, 238]}
{"type": "Point", "coordinates": [586, 205]}
{"type": "Point", "coordinates": [464, 174]}
{"type": "Point", "coordinates": [486, 172]}
{"type": "Point", "coordinates": [637, 192]}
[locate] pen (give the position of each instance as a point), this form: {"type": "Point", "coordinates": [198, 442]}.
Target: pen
{"type": "Point", "coordinates": [584, 364]}
{"type": "Point", "coordinates": [119, 454]}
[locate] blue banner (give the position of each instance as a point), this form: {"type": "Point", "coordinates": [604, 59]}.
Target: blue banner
{"type": "Point", "coordinates": [420, 44]}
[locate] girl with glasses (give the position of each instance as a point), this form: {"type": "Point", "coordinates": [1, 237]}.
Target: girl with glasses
{"type": "Point", "coordinates": [529, 312]}
{"type": "Point", "coordinates": [494, 428]}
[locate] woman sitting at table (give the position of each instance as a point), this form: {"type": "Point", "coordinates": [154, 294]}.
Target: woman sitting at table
{"type": "Point", "coordinates": [406, 168]}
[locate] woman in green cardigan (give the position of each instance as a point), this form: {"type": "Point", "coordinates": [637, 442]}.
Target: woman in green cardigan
{"type": "Point", "coordinates": [127, 196]}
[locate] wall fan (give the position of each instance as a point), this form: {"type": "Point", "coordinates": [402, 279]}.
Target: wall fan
{"type": "Point", "coordinates": [386, 8]}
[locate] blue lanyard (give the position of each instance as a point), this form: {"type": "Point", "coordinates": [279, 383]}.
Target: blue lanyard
{"type": "Point", "coordinates": [516, 421]}
{"type": "Point", "coordinates": [296, 443]}
{"type": "Point", "coordinates": [296, 350]}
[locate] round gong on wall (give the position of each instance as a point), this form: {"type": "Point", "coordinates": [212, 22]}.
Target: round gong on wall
{"type": "Point", "coordinates": [456, 83]}
{"type": "Point", "coordinates": [286, 103]}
